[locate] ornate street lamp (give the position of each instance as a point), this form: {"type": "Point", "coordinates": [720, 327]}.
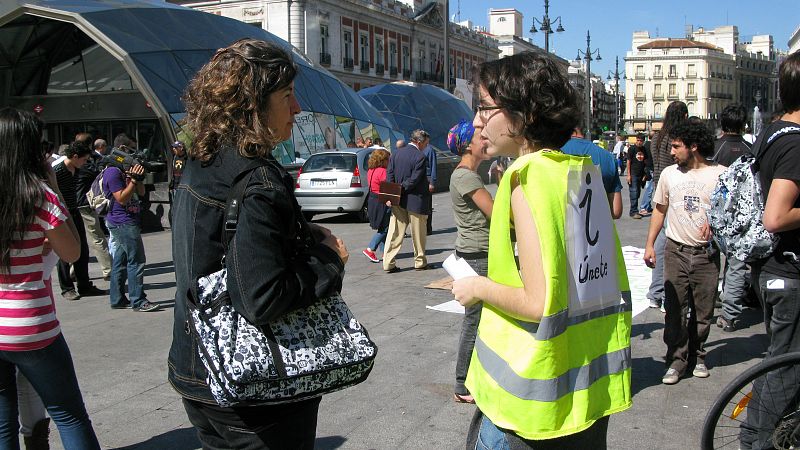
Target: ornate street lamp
{"type": "Point", "coordinates": [588, 56]}
{"type": "Point", "coordinates": [545, 26]}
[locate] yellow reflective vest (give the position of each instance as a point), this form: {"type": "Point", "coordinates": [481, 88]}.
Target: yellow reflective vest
{"type": "Point", "coordinates": [556, 377]}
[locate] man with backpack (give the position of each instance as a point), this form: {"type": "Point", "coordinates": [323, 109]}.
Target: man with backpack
{"type": "Point", "coordinates": [95, 235]}
{"type": "Point", "coordinates": [728, 148]}
{"type": "Point", "coordinates": [691, 261]}
{"type": "Point", "coordinates": [777, 277]}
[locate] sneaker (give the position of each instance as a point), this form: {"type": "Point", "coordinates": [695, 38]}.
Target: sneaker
{"type": "Point", "coordinates": [636, 216]}
{"type": "Point", "coordinates": [92, 291]}
{"type": "Point", "coordinates": [71, 295]}
{"type": "Point", "coordinates": [370, 255]}
{"type": "Point", "coordinates": [725, 324]}
{"type": "Point", "coordinates": [671, 377]}
{"type": "Point", "coordinates": [146, 306]}
{"type": "Point", "coordinates": [655, 303]}
{"type": "Point", "coordinates": [663, 310]}
{"type": "Point", "coordinates": [700, 371]}
{"type": "Point", "coordinates": [125, 304]}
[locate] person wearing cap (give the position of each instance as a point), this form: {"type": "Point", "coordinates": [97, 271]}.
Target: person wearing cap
{"type": "Point", "coordinates": [472, 208]}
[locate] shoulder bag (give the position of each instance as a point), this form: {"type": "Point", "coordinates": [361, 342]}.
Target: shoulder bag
{"type": "Point", "coordinates": [306, 353]}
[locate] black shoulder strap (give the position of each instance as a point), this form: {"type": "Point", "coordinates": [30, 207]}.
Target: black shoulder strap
{"type": "Point", "coordinates": [232, 205]}
{"type": "Point", "coordinates": [760, 146]}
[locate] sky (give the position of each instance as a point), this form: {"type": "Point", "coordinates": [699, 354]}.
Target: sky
{"type": "Point", "coordinates": [611, 23]}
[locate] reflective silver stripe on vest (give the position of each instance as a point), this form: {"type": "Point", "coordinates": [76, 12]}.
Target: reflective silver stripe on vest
{"type": "Point", "coordinates": [550, 390]}
{"type": "Point", "coordinates": [552, 326]}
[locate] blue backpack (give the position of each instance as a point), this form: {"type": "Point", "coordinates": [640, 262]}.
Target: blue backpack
{"type": "Point", "coordinates": [737, 205]}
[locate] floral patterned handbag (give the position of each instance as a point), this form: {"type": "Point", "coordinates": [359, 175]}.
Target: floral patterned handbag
{"type": "Point", "coordinates": [309, 352]}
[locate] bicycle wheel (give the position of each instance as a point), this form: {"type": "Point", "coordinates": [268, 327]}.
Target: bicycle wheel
{"type": "Point", "coordinates": [746, 395]}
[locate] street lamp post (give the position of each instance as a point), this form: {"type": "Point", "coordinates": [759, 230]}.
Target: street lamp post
{"type": "Point", "coordinates": [545, 26]}
{"type": "Point", "coordinates": [617, 117]}
{"type": "Point", "coordinates": [588, 56]}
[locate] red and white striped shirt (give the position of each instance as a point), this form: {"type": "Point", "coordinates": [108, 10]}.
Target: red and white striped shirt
{"type": "Point", "coordinates": [27, 309]}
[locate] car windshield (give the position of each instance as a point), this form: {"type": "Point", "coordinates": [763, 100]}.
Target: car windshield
{"type": "Point", "coordinates": [330, 162]}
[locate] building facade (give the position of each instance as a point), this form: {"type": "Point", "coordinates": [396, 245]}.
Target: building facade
{"type": "Point", "coordinates": [794, 41]}
{"type": "Point", "coordinates": [708, 70]}
{"type": "Point", "coordinates": [367, 42]}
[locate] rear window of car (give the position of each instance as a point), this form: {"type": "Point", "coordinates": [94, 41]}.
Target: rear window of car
{"type": "Point", "coordinates": [344, 162]}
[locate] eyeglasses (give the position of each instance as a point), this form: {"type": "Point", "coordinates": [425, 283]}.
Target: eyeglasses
{"type": "Point", "coordinates": [483, 112]}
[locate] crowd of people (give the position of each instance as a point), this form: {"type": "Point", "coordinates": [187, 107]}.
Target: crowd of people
{"type": "Point", "coordinates": [544, 351]}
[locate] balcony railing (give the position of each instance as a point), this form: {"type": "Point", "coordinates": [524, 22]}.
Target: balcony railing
{"type": "Point", "coordinates": [392, 71]}
{"type": "Point", "coordinates": [640, 96]}
{"type": "Point", "coordinates": [691, 75]}
{"type": "Point", "coordinates": [364, 66]}
{"type": "Point", "coordinates": [658, 75]}
{"type": "Point", "coordinates": [658, 96]}
{"type": "Point", "coordinates": [348, 63]}
{"type": "Point", "coordinates": [672, 75]}
{"type": "Point", "coordinates": [672, 96]}
{"type": "Point", "coordinates": [325, 59]}
{"type": "Point", "coordinates": [692, 96]}
{"type": "Point", "coordinates": [378, 69]}
{"type": "Point", "coordinates": [639, 76]}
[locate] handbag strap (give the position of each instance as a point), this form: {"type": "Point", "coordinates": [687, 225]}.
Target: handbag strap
{"type": "Point", "coordinates": [233, 204]}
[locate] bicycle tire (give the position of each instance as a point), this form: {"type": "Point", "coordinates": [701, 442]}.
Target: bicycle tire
{"type": "Point", "coordinates": [735, 388]}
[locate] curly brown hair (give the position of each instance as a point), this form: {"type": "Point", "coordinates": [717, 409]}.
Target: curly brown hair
{"type": "Point", "coordinates": [227, 100]}
{"type": "Point", "coordinates": [378, 158]}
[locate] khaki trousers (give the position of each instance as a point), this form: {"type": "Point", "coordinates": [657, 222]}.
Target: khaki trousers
{"type": "Point", "coordinates": [96, 238]}
{"type": "Point", "coordinates": [401, 219]}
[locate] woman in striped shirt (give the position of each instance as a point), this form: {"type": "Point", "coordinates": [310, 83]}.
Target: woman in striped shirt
{"type": "Point", "coordinates": [34, 222]}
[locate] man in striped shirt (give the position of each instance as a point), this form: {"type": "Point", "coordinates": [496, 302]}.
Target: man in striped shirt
{"type": "Point", "coordinates": [76, 156]}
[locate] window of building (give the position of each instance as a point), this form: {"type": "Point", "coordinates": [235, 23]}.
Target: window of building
{"type": "Point", "coordinates": [405, 58]}
{"type": "Point", "coordinates": [378, 51]}
{"type": "Point", "coordinates": [657, 91]}
{"type": "Point", "coordinates": [690, 106]}
{"type": "Point", "coordinates": [639, 71]}
{"type": "Point", "coordinates": [433, 62]}
{"type": "Point", "coordinates": [323, 39]}
{"type": "Point", "coordinates": [690, 89]}
{"type": "Point", "coordinates": [673, 89]}
{"type": "Point", "coordinates": [501, 19]}
{"type": "Point", "coordinates": [392, 54]}
{"type": "Point", "coordinates": [657, 110]}
{"type": "Point", "coordinates": [460, 68]}
{"type": "Point", "coordinates": [363, 40]}
{"type": "Point", "coordinates": [640, 110]}
{"type": "Point", "coordinates": [347, 44]}
{"type": "Point", "coordinates": [673, 71]}
{"type": "Point", "coordinates": [657, 71]}
{"type": "Point", "coordinates": [639, 89]}
{"type": "Point", "coordinates": [691, 70]}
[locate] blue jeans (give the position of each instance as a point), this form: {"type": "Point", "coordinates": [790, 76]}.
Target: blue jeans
{"type": "Point", "coordinates": [633, 190]}
{"type": "Point", "coordinates": [377, 240]}
{"type": "Point", "coordinates": [62, 397]}
{"type": "Point", "coordinates": [129, 258]}
{"type": "Point", "coordinates": [469, 329]}
{"type": "Point", "coordinates": [734, 288]}
{"type": "Point", "coordinates": [492, 438]}
{"type": "Point", "coordinates": [656, 291]}
{"type": "Point", "coordinates": [647, 197]}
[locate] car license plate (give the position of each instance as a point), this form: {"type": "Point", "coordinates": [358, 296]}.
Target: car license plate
{"type": "Point", "coordinates": [323, 183]}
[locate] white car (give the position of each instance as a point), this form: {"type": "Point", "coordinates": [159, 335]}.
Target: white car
{"type": "Point", "coordinates": [334, 181]}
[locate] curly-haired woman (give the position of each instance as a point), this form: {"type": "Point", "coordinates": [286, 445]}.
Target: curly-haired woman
{"type": "Point", "coordinates": [378, 213]}
{"type": "Point", "coordinates": [35, 222]}
{"type": "Point", "coordinates": [239, 106]}
{"type": "Point", "coordinates": [552, 353]}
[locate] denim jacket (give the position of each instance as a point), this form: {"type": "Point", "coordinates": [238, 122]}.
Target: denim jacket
{"type": "Point", "coordinates": [275, 263]}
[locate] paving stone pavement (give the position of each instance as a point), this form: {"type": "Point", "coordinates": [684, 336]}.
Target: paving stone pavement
{"type": "Point", "coordinates": [120, 357]}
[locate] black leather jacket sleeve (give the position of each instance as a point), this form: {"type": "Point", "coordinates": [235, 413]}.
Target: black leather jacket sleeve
{"type": "Point", "coordinates": [274, 266]}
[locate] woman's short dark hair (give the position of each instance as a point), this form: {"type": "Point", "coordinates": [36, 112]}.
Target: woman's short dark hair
{"type": "Point", "coordinates": [694, 133]}
{"type": "Point", "coordinates": [228, 99]}
{"type": "Point", "coordinates": [733, 118]}
{"type": "Point", "coordinates": [533, 89]}
{"type": "Point", "coordinates": [789, 82]}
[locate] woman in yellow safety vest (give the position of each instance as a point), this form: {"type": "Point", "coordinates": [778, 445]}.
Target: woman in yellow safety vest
{"type": "Point", "coordinates": [552, 356]}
